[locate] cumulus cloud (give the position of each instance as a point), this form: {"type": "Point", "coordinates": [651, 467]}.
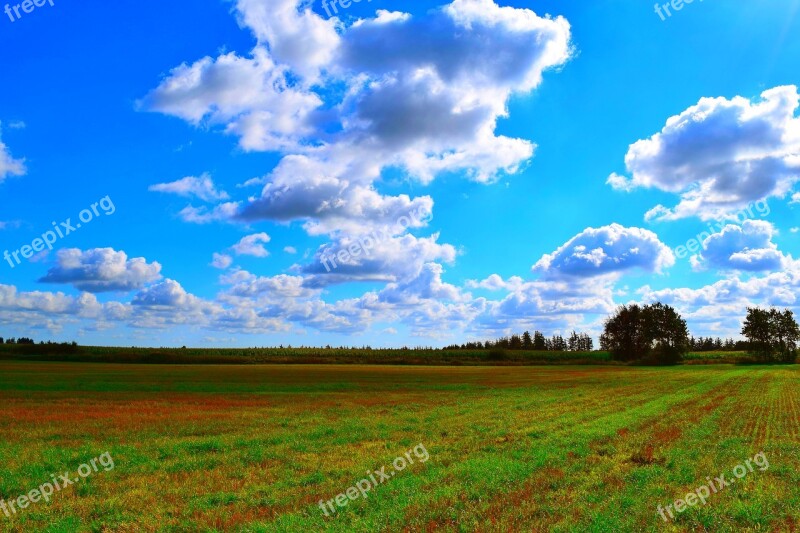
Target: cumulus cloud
{"type": "Point", "coordinates": [203, 215]}
{"type": "Point", "coordinates": [8, 165]}
{"type": "Point", "coordinates": [720, 308]}
{"type": "Point", "coordinates": [168, 293]}
{"type": "Point", "coordinates": [51, 310]}
{"type": "Point", "coordinates": [296, 36]}
{"type": "Point", "coordinates": [221, 261]}
{"type": "Point", "coordinates": [720, 155]}
{"type": "Point", "coordinates": [497, 283]}
{"type": "Point", "coordinates": [101, 270]}
{"type": "Point", "coordinates": [436, 87]}
{"type": "Point", "coordinates": [288, 299]}
{"type": "Point", "coordinates": [243, 284]}
{"type": "Point", "coordinates": [252, 245]}
{"type": "Point", "coordinates": [376, 257]}
{"type": "Point", "coordinates": [346, 102]}
{"type": "Point", "coordinates": [251, 97]}
{"type": "Point", "coordinates": [609, 250]}
{"type": "Point", "coordinates": [202, 188]}
{"type": "Point", "coordinates": [427, 285]}
{"type": "Point", "coordinates": [795, 198]}
{"type": "Point", "coordinates": [748, 247]}
{"type": "Point", "coordinates": [311, 190]}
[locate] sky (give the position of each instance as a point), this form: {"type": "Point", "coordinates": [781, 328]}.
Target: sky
{"type": "Point", "coordinates": [393, 173]}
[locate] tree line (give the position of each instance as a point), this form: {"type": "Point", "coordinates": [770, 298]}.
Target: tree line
{"type": "Point", "coordinates": [576, 342]}
{"type": "Point", "coordinates": [21, 340]}
{"type": "Point", "coordinates": [657, 334]}
{"type": "Point", "coordinates": [649, 334]}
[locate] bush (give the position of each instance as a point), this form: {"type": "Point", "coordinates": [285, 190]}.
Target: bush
{"type": "Point", "coordinates": [498, 354]}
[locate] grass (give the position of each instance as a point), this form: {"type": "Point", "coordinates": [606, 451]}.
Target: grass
{"type": "Point", "coordinates": [254, 448]}
{"type": "Point", "coordinates": [363, 356]}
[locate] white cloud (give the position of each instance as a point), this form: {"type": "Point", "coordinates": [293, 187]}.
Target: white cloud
{"type": "Point", "coordinates": [748, 247]}
{"type": "Point", "coordinates": [101, 270]}
{"type": "Point", "coordinates": [251, 97]}
{"type": "Point", "coordinates": [8, 165]}
{"type": "Point", "coordinates": [221, 261]}
{"type": "Point", "coordinates": [202, 188]}
{"type": "Point", "coordinates": [252, 245]}
{"type": "Point", "coordinates": [609, 250]}
{"type": "Point", "coordinates": [497, 283]}
{"type": "Point", "coordinates": [295, 35]}
{"type": "Point", "coordinates": [720, 308]}
{"type": "Point", "coordinates": [46, 309]}
{"type": "Point", "coordinates": [720, 155]}
{"type": "Point", "coordinates": [291, 250]}
{"type": "Point", "coordinates": [202, 215]}
{"type": "Point", "coordinates": [795, 198]}
{"type": "Point", "coordinates": [423, 94]}
{"type": "Point", "coordinates": [311, 190]}
{"type": "Point", "coordinates": [377, 257]}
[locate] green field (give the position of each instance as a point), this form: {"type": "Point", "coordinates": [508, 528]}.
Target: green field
{"type": "Point", "coordinates": [255, 448]}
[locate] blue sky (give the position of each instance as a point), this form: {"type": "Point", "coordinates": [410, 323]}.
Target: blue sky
{"type": "Point", "coordinates": [554, 157]}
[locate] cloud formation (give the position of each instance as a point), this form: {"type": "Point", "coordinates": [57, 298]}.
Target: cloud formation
{"type": "Point", "coordinates": [202, 188]}
{"type": "Point", "coordinates": [720, 155]}
{"type": "Point", "coordinates": [101, 270]}
{"type": "Point", "coordinates": [8, 165]}
{"type": "Point", "coordinates": [343, 106]}
{"type": "Point", "coordinates": [748, 248]}
{"type": "Point", "coordinates": [252, 245]}
{"type": "Point", "coordinates": [609, 250]}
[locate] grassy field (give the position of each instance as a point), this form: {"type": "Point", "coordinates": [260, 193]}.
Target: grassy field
{"type": "Point", "coordinates": [360, 356]}
{"type": "Point", "coordinates": [254, 448]}
{"type": "Point", "coordinates": [250, 356]}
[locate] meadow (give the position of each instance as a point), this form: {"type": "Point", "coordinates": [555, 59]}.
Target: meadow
{"type": "Point", "coordinates": [255, 448]}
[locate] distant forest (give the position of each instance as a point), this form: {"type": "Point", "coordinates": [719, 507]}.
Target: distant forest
{"type": "Point", "coordinates": [582, 342]}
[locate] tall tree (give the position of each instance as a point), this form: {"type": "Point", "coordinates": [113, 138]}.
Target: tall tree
{"type": "Point", "coordinates": [654, 333]}
{"type": "Point", "coordinates": [788, 333]}
{"type": "Point", "coordinates": [757, 329]}
{"type": "Point", "coordinates": [539, 342]}
{"type": "Point", "coordinates": [527, 341]}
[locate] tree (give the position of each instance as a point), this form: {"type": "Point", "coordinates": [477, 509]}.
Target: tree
{"type": "Point", "coordinates": [787, 334]}
{"type": "Point", "coordinates": [623, 334]}
{"type": "Point", "coordinates": [573, 342]}
{"type": "Point", "coordinates": [772, 335]}
{"type": "Point", "coordinates": [654, 334]}
{"type": "Point", "coordinates": [757, 330]}
{"type": "Point", "coordinates": [558, 344]}
{"type": "Point", "coordinates": [527, 341]}
{"type": "Point", "coordinates": [539, 342]}
{"type": "Point", "coordinates": [666, 334]}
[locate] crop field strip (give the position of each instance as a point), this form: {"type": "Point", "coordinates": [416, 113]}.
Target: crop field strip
{"type": "Point", "coordinates": [512, 449]}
